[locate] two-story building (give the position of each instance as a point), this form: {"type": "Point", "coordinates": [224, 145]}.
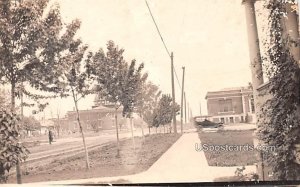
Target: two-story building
{"type": "Point", "coordinates": [231, 105]}
{"type": "Point", "coordinates": [100, 117]}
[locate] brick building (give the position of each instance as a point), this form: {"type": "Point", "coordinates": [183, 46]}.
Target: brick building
{"type": "Point", "coordinates": [231, 105]}
{"type": "Point", "coordinates": [101, 116]}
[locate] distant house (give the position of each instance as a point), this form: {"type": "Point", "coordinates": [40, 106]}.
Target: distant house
{"type": "Point", "coordinates": [231, 105]}
{"type": "Point", "coordinates": [99, 117]}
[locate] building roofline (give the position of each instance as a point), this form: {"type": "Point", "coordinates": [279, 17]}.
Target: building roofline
{"type": "Point", "coordinates": [96, 110]}
{"type": "Point", "coordinates": [228, 92]}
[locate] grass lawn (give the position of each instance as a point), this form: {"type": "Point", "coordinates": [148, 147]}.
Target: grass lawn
{"type": "Point", "coordinates": [103, 160]}
{"type": "Point", "coordinates": [241, 157]}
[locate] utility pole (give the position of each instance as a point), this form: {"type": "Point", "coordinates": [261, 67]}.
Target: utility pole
{"type": "Point", "coordinates": [182, 95]}
{"type": "Point", "coordinates": [173, 94]}
{"type": "Point", "coordinates": [200, 108]}
{"type": "Point", "coordinates": [188, 111]}
{"type": "Point", "coordinates": [184, 108]}
{"type": "Point", "coordinates": [255, 62]}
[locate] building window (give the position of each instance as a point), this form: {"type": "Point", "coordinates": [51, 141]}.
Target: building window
{"type": "Point", "coordinates": [222, 120]}
{"type": "Point", "coordinates": [231, 119]}
{"type": "Point", "coordinates": [225, 105]}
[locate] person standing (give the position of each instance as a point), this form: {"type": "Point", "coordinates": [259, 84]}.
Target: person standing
{"type": "Point", "coordinates": [50, 136]}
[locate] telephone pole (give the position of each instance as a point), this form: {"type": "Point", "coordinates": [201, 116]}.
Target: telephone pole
{"type": "Point", "coordinates": [182, 95]}
{"type": "Point", "coordinates": [184, 108]}
{"type": "Point", "coordinates": [173, 94]}
{"type": "Point", "coordinates": [200, 108]}
{"type": "Point", "coordinates": [188, 111]}
{"type": "Point", "coordinates": [172, 69]}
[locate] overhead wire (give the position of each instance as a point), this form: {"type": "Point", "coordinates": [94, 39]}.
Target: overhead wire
{"type": "Point", "coordinates": [162, 41]}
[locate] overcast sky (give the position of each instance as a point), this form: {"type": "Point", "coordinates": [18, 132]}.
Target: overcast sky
{"type": "Point", "coordinates": [208, 37]}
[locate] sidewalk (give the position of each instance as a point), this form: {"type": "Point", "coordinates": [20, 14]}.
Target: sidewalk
{"type": "Point", "coordinates": [180, 163]}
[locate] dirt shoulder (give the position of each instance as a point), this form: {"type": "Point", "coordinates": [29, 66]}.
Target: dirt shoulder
{"type": "Point", "coordinates": [103, 161]}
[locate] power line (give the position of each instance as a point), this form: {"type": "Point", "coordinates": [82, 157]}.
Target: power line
{"type": "Point", "coordinates": [162, 41]}
{"type": "Point", "coordinates": [158, 29]}
{"type": "Point", "coordinates": [177, 79]}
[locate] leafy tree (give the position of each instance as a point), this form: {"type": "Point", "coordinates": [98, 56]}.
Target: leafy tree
{"type": "Point", "coordinates": [73, 79]}
{"type": "Point", "coordinates": [149, 118]}
{"type": "Point", "coordinates": [29, 124]}
{"type": "Point", "coordinates": [156, 118]}
{"type": "Point", "coordinates": [118, 82]}
{"type": "Point", "coordinates": [162, 112]}
{"type": "Point", "coordinates": [279, 123]}
{"type": "Point", "coordinates": [132, 88]}
{"type": "Point", "coordinates": [11, 151]}
{"type": "Point", "coordinates": [147, 101]}
{"type": "Point", "coordinates": [133, 85]}
{"type": "Point", "coordinates": [165, 108]}
{"type": "Point", "coordinates": [38, 50]}
{"type": "Point", "coordinates": [110, 72]}
{"type": "Point", "coordinates": [30, 40]}
{"type": "Point", "coordinates": [25, 44]}
{"type": "Point", "coordinates": [4, 100]}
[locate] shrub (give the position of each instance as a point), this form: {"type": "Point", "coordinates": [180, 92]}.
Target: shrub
{"type": "Point", "coordinates": [11, 150]}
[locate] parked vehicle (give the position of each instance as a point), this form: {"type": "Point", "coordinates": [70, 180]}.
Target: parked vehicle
{"type": "Point", "coordinates": [209, 124]}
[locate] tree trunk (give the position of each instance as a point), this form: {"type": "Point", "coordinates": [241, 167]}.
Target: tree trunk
{"type": "Point", "coordinates": [117, 131]}
{"type": "Point", "coordinates": [156, 130]}
{"type": "Point", "coordinates": [81, 131]}
{"type": "Point", "coordinates": [143, 131]}
{"type": "Point", "coordinates": [131, 127]}
{"type": "Point", "coordinates": [13, 103]}
{"type": "Point", "coordinates": [149, 130]}
{"type": "Point", "coordinates": [3, 178]}
{"type": "Point", "coordinates": [142, 127]}
{"type": "Point", "coordinates": [164, 129]}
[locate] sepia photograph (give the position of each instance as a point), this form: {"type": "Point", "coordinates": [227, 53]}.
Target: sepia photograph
{"type": "Point", "coordinates": [149, 92]}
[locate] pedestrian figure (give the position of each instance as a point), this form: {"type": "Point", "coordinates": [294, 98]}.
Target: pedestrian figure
{"type": "Point", "coordinates": [50, 136]}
